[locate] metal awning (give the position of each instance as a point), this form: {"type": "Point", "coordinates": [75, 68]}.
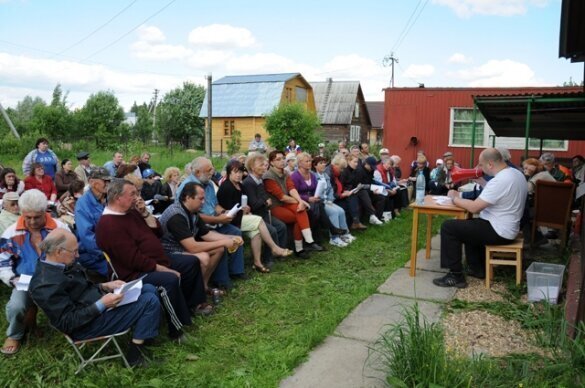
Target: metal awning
{"type": "Point", "coordinates": [559, 116]}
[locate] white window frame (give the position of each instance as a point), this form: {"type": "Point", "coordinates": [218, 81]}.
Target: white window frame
{"type": "Point", "coordinates": [512, 143]}
{"type": "Point", "coordinates": [355, 133]}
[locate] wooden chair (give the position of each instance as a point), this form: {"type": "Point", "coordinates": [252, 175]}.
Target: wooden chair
{"type": "Point", "coordinates": [510, 254]}
{"type": "Point", "coordinates": [552, 208]}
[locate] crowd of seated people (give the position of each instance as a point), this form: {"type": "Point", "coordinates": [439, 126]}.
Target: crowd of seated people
{"type": "Point", "coordinates": [184, 235]}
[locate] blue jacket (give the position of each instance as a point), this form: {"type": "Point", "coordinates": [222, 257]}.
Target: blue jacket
{"type": "Point", "coordinates": [88, 211]}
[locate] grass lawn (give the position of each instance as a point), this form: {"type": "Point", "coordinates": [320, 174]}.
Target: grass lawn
{"type": "Point", "coordinates": [262, 331]}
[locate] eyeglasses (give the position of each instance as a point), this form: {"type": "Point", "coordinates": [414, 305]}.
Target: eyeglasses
{"type": "Point", "coordinates": [74, 252]}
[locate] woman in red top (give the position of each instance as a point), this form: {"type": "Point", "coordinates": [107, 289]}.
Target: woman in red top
{"type": "Point", "coordinates": [287, 204]}
{"type": "Point", "coordinates": [38, 180]}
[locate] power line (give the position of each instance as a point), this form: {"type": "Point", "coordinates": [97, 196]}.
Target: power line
{"type": "Point", "coordinates": [129, 32]}
{"type": "Point", "coordinates": [97, 29]}
{"type": "Point", "coordinates": [406, 25]}
{"type": "Point", "coordinates": [399, 42]}
{"type": "Point", "coordinates": [68, 57]}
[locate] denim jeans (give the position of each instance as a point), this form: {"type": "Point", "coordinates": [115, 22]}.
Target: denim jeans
{"type": "Point", "coordinates": [336, 215]}
{"type": "Point", "coordinates": [230, 264]}
{"type": "Point", "coordinates": [16, 308]}
{"type": "Point", "coordinates": [143, 315]}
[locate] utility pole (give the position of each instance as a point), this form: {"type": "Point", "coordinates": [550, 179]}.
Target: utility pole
{"type": "Point", "coordinates": [209, 116]}
{"type": "Point", "coordinates": [152, 109]}
{"type": "Point", "coordinates": [390, 59]}
{"type": "Point", "coordinates": [9, 122]}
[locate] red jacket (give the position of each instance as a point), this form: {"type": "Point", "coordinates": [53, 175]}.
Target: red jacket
{"type": "Point", "coordinates": [46, 185]}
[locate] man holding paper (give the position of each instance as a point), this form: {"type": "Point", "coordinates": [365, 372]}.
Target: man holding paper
{"type": "Point", "coordinates": [84, 310]}
{"type": "Point", "coordinates": [19, 254]}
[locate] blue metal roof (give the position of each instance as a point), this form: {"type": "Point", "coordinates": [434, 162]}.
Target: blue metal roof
{"type": "Point", "coordinates": [243, 99]}
{"type": "Point", "coordinates": [240, 79]}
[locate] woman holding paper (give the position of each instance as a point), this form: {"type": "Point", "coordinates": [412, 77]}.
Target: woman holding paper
{"type": "Point", "coordinates": [231, 196]}
{"type": "Point", "coordinates": [335, 213]}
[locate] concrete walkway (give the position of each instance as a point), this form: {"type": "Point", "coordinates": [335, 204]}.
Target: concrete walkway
{"type": "Point", "coordinates": [344, 359]}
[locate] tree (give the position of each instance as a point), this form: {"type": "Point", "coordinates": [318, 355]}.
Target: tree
{"type": "Point", "coordinates": [178, 115]}
{"type": "Point", "coordinates": [101, 117]}
{"type": "Point", "coordinates": [234, 143]}
{"type": "Point", "coordinates": [293, 121]}
{"type": "Point", "coordinates": [144, 125]}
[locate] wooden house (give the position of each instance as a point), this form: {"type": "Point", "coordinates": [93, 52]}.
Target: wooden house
{"type": "Point", "coordinates": [242, 103]}
{"type": "Point", "coordinates": [376, 111]}
{"type": "Point", "coordinates": [342, 110]}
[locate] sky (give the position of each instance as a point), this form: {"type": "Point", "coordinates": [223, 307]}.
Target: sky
{"type": "Point", "coordinates": [132, 47]}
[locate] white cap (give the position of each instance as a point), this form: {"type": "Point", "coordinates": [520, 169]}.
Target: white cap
{"type": "Point", "coordinates": [439, 161]}
{"type": "Point", "coordinates": [384, 151]}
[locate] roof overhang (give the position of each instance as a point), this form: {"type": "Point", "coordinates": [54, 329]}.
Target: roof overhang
{"type": "Point", "coordinates": [547, 116]}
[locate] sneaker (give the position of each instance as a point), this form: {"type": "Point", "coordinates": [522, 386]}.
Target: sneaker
{"type": "Point", "coordinates": [451, 280]}
{"type": "Point", "coordinates": [375, 220]}
{"type": "Point", "coordinates": [348, 238]}
{"type": "Point", "coordinates": [387, 216]}
{"type": "Point", "coordinates": [338, 242]}
{"type": "Point", "coordinates": [314, 247]}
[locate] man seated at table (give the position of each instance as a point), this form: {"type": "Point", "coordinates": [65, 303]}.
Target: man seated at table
{"type": "Point", "coordinates": [257, 145]}
{"type": "Point", "coordinates": [83, 310]}
{"type": "Point", "coordinates": [500, 207]}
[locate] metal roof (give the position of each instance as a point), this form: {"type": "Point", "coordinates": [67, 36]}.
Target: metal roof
{"type": "Point", "coordinates": [246, 95]}
{"type": "Point", "coordinates": [335, 101]}
{"type": "Point", "coordinates": [242, 79]}
{"type": "Point", "coordinates": [376, 111]}
{"type": "Point", "coordinates": [551, 115]}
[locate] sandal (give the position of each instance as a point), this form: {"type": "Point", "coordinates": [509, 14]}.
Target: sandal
{"type": "Point", "coordinates": [204, 310]}
{"type": "Point", "coordinates": [283, 252]}
{"type": "Point", "coordinates": [260, 268]}
{"type": "Point", "coordinates": [11, 347]}
{"type": "Point", "coordinates": [211, 291]}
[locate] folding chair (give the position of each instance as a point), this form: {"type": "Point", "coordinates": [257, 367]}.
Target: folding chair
{"type": "Point", "coordinates": [552, 207]}
{"type": "Point", "coordinates": [109, 261]}
{"type": "Point", "coordinates": [78, 347]}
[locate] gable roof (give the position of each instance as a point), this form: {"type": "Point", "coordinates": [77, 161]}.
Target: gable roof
{"type": "Point", "coordinates": [335, 100]}
{"type": "Point", "coordinates": [246, 95]}
{"type": "Point", "coordinates": [376, 111]}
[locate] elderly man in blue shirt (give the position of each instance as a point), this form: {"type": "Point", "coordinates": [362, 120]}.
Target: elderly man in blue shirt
{"type": "Point", "coordinates": [217, 219]}
{"type": "Point", "coordinates": [19, 254]}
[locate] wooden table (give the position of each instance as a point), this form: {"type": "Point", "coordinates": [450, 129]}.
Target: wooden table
{"type": "Point", "coordinates": [430, 208]}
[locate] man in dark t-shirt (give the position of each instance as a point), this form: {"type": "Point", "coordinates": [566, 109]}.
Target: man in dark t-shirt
{"type": "Point", "coordinates": [185, 232]}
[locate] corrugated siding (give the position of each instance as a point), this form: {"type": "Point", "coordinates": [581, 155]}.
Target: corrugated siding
{"type": "Point", "coordinates": [424, 113]}
{"type": "Point", "coordinates": [240, 79]}
{"type": "Point", "coordinates": [335, 101]}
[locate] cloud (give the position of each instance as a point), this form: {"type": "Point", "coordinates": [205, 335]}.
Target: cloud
{"type": "Point", "coordinates": [20, 72]}
{"type": "Point", "coordinates": [150, 34]}
{"type": "Point", "coordinates": [150, 46]}
{"type": "Point", "coordinates": [458, 58]}
{"type": "Point", "coordinates": [222, 36]}
{"type": "Point", "coordinates": [418, 72]}
{"type": "Point", "coordinates": [500, 73]}
{"type": "Point", "coordinates": [206, 59]}
{"type": "Point", "coordinates": [159, 52]}
{"type": "Point", "coordinates": [468, 8]}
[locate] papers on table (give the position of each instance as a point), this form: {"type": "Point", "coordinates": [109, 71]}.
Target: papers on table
{"type": "Point", "coordinates": [443, 200]}
{"type": "Point", "coordinates": [130, 290]}
{"type": "Point", "coordinates": [234, 210]}
{"type": "Point", "coordinates": [23, 283]}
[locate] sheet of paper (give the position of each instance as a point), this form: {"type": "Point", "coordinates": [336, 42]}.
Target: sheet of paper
{"type": "Point", "coordinates": [234, 210]}
{"type": "Point", "coordinates": [130, 290]}
{"type": "Point", "coordinates": [148, 202]}
{"type": "Point", "coordinates": [320, 190]}
{"type": "Point", "coordinates": [377, 189]}
{"type": "Point", "coordinates": [23, 283]}
{"type": "Point", "coordinates": [443, 200]}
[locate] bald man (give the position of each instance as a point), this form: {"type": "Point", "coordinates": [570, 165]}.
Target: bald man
{"type": "Point", "coordinates": [500, 207]}
{"type": "Point", "coordinates": [83, 310]}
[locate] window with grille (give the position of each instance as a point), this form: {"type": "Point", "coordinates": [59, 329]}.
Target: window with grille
{"type": "Point", "coordinates": [228, 127]}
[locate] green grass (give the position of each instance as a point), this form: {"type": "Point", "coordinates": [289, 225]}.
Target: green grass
{"type": "Point", "coordinates": [262, 331]}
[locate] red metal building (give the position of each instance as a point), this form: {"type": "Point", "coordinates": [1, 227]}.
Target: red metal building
{"type": "Point", "coordinates": [437, 120]}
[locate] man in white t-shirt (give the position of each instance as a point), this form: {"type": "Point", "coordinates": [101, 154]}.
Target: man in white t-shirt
{"type": "Point", "coordinates": [500, 207]}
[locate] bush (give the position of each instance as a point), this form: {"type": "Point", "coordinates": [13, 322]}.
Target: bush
{"type": "Point", "coordinates": [296, 122]}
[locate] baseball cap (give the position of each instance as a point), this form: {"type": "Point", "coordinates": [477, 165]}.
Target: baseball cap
{"type": "Point", "coordinates": [100, 173]}
{"type": "Point", "coordinates": [148, 173]}
{"type": "Point", "coordinates": [384, 151]}
{"type": "Point", "coordinates": [11, 196]}
{"type": "Point", "coordinates": [82, 155]}
{"type": "Point", "coordinates": [439, 161]}
{"type": "Point", "coordinates": [371, 161]}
